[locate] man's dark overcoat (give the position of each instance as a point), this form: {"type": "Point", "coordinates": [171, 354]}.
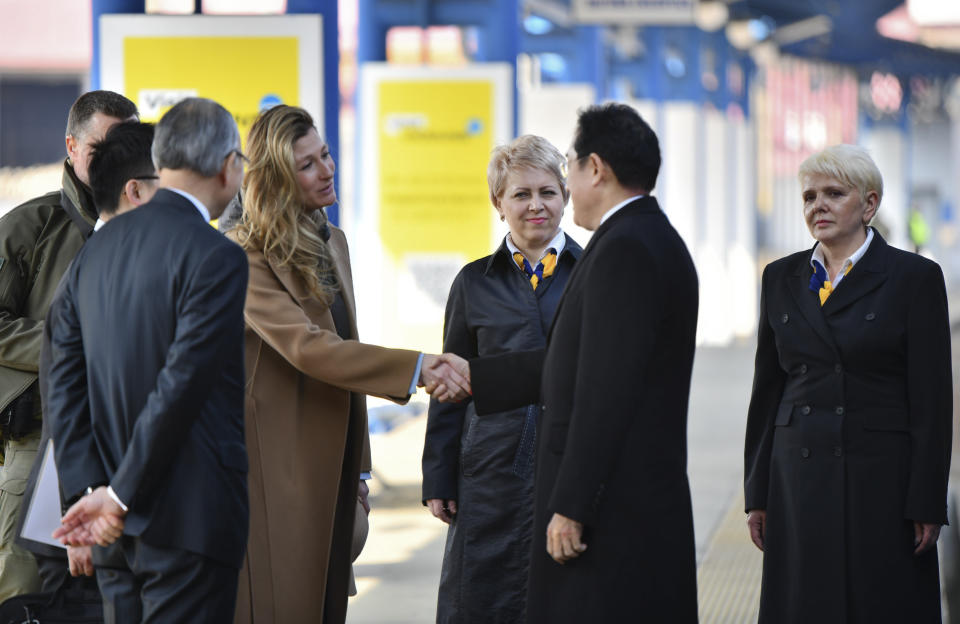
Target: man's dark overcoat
{"type": "Point", "coordinates": [486, 464]}
{"type": "Point", "coordinates": [848, 439]}
{"type": "Point", "coordinates": [612, 446]}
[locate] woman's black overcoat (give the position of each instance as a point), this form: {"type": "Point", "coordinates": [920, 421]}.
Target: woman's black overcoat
{"type": "Point", "coordinates": [848, 439]}
{"type": "Point", "coordinates": [486, 464]}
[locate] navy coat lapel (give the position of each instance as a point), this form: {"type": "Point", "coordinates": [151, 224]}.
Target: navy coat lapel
{"type": "Point", "coordinates": [865, 276]}
{"type": "Point", "coordinates": [809, 302]}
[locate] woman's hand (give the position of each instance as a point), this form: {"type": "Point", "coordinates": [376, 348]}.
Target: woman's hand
{"type": "Point", "coordinates": [757, 521]}
{"type": "Point", "coordinates": [445, 510]}
{"type": "Point", "coordinates": [446, 377]}
{"type": "Point", "coordinates": [363, 493]}
{"type": "Point", "coordinates": [925, 536]}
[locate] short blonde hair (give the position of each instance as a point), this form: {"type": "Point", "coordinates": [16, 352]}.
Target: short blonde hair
{"type": "Point", "coordinates": [851, 164]}
{"type": "Point", "coordinates": [526, 152]}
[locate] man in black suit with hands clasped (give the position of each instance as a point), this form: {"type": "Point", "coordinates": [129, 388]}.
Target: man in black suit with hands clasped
{"type": "Point", "coordinates": [613, 526]}
{"type": "Point", "coordinates": [146, 386]}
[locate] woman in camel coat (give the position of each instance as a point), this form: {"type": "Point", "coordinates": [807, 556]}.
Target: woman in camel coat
{"type": "Point", "coordinates": [307, 375]}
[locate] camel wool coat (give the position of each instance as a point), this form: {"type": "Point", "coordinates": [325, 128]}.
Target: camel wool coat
{"type": "Point", "coordinates": [306, 435]}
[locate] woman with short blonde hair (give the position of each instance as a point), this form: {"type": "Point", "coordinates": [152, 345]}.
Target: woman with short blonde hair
{"type": "Point", "coordinates": [478, 472]}
{"type": "Point", "coordinates": [849, 426]}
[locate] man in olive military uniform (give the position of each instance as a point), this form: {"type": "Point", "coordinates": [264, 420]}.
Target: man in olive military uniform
{"type": "Point", "coordinates": [38, 240]}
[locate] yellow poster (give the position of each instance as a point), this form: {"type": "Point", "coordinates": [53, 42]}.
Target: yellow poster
{"type": "Point", "coordinates": [435, 138]}
{"type": "Point", "coordinates": [244, 74]}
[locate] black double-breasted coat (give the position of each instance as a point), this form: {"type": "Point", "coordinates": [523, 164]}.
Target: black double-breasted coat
{"type": "Point", "coordinates": [611, 445]}
{"type": "Point", "coordinates": [486, 464]}
{"type": "Point", "coordinates": [848, 439]}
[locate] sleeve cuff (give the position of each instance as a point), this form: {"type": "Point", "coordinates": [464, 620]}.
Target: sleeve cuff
{"type": "Point", "coordinates": [416, 375]}
{"type": "Point", "coordinates": [365, 476]}
{"type": "Point", "coordinates": [116, 498]}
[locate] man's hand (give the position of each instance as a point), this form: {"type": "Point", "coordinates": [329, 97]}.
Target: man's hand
{"type": "Point", "coordinates": [81, 560]}
{"type": "Point", "coordinates": [94, 519]}
{"type": "Point", "coordinates": [363, 492]}
{"type": "Point", "coordinates": [925, 536]}
{"type": "Point", "coordinates": [444, 510]}
{"type": "Point", "coordinates": [757, 522]}
{"type": "Point", "coordinates": [446, 377]}
{"type": "Point", "coordinates": [563, 538]}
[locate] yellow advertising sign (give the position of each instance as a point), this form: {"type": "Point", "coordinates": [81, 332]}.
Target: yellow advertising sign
{"type": "Point", "coordinates": [244, 74]}
{"type": "Point", "coordinates": [435, 138]}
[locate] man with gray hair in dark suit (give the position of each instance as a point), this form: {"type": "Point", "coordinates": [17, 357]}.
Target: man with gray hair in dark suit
{"type": "Point", "coordinates": [146, 386]}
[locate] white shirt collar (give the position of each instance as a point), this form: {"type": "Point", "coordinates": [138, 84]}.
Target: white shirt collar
{"type": "Point", "coordinates": [557, 243]}
{"type": "Point", "coordinates": [849, 262]}
{"type": "Point", "coordinates": [99, 224]}
{"type": "Point", "coordinates": [616, 208]}
{"type": "Point", "coordinates": [196, 202]}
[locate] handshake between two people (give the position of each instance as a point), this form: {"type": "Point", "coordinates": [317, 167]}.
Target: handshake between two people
{"type": "Point", "coordinates": [445, 377]}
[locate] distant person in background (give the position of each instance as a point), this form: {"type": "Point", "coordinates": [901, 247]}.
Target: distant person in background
{"type": "Point", "coordinates": [919, 230]}
{"type": "Point", "coordinates": [38, 240]}
{"type": "Point", "coordinates": [478, 471]}
{"type": "Point", "coordinates": [850, 422]}
{"type": "Point", "coordinates": [307, 377]}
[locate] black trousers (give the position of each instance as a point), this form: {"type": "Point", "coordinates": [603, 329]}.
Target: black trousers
{"type": "Point", "coordinates": [144, 583]}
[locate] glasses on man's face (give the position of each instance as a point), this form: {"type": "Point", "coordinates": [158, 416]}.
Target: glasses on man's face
{"type": "Point", "coordinates": [240, 156]}
{"type": "Point", "coordinates": [147, 177]}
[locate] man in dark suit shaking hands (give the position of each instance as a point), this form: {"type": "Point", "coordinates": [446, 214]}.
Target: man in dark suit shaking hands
{"type": "Point", "coordinates": [613, 527]}
{"type": "Point", "coordinates": [146, 386]}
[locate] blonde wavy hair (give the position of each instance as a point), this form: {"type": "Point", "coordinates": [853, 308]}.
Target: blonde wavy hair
{"type": "Point", "coordinates": [274, 220]}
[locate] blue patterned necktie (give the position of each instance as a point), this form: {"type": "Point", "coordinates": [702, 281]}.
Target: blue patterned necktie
{"type": "Point", "coordinates": [819, 282]}
{"type": "Point", "coordinates": [544, 268]}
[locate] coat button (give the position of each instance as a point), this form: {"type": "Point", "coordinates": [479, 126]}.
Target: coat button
{"type": "Point", "coordinates": [805, 410]}
{"type": "Point", "coordinates": [543, 408]}
{"type": "Point", "coordinates": [785, 318]}
{"type": "Point", "coordinates": [804, 453]}
{"type": "Point", "coordinates": [839, 410]}
{"type": "Point", "coordinates": [870, 316]}
{"type": "Point", "coordinates": [837, 451]}
{"type": "Point", "coordinates": [837, 368]}
{"type": "Point", "coordinates": [803, 369]}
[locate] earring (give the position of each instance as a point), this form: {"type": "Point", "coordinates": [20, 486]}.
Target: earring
{"type": "Point", "coordinates": [503, 218]}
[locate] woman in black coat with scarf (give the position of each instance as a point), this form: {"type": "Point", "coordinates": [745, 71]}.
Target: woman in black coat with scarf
{"type": "Point", "coordinates": [849, 428]}
{"type": "Point", "coordinates": [478, 472]}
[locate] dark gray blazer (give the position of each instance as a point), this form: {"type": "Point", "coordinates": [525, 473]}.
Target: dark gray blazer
{"type": "Point", "coordinates": [145, 389]}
